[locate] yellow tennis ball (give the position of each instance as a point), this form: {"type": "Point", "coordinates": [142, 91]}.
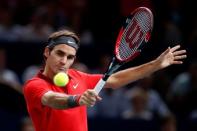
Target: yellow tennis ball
{"type": "Point", "coordinates": [61, 79]}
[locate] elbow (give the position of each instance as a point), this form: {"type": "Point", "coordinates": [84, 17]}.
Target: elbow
{"type": "Point", "coordinates": [113, 83]}
{"type": "Point", "coordinates": [116, 82]}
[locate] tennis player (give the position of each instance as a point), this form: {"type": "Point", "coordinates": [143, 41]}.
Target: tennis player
{"type": "Point", "coordinates": [53, 108]}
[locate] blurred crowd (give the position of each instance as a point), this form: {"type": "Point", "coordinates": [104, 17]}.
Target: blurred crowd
{"type": "Point", "coordinates": [168, 96]}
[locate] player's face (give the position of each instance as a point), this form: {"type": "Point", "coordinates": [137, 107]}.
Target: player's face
{"type": "Point", "coordinates": [60, 58]}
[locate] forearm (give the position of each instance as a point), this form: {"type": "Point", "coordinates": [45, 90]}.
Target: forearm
{"type": "Point", "coordinates": [59, 100]}
{"type": "Point", "coordinates": [132, 74]}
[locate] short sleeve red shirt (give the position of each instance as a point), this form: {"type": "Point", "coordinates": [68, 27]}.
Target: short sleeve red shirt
{"type": "Point", "coordinates": [48, 119]}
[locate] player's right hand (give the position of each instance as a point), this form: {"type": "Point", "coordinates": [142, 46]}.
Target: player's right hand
{"type": "Point", "coordinates": [89, 98]}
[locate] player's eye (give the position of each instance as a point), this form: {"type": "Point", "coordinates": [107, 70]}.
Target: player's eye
{"type": "Point", "coordinates": [60, 53]}
{"type": "Point", "coordinates": [71, 57]}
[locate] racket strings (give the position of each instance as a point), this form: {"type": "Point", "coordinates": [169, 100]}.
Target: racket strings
{"type": "Point", "coordinates": [143, 19]}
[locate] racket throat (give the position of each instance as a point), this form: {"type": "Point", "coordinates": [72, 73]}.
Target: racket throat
{"type": "Point", "coordinates": [114, 66]}
{"type": "Point", "coordinates": [105, 77]}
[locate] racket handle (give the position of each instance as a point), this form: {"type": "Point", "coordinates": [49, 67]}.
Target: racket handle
{"type": "Point", "coordinates": [99, 86]}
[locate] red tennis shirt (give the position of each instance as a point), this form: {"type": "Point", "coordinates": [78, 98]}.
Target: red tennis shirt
{"type": "Point", "coordinates": [48, 119]}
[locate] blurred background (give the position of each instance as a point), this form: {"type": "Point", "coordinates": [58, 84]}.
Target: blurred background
{"type": "Point", "coordinates": [164, 101]}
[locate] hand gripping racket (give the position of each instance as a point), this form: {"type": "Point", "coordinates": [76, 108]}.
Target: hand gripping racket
{"type": "Point", "coordinates": [134, 33]}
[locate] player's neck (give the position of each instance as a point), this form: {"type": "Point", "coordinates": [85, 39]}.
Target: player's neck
{"type": "Point", "coordinates": [48, 73]}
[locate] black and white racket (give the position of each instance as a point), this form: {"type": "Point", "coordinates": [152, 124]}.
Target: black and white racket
{"type": "Point", "coordinates": [134, 33]}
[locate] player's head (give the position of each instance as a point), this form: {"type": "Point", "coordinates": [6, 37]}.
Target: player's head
{"type": "Point", "coordinates": [66, 37]}
{"type": "Point", "coordinates": [60, 51]}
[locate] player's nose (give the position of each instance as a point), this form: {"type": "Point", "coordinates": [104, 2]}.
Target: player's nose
{"type": "Point", "coordinates": [63, 60]}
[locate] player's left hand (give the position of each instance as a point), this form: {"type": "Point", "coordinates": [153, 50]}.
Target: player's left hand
{"type": "Point", "coordinates": [171, 56]}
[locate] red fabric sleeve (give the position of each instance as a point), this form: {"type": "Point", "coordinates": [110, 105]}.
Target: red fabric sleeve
{"type": "Point", "coordinates": [92, 80]}
{"type": "Point", "coordinates": [34, 90]}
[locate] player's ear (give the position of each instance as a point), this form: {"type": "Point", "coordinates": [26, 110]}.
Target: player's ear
{"type": "Point", "coordinates": [46, 52]}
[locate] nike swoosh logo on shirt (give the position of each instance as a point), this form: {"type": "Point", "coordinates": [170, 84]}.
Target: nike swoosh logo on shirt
{"type": "Point", "coordinates": [75, 86]}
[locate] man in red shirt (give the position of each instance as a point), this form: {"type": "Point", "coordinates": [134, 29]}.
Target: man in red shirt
{"type": "Point", "coordinates": [64, 109]}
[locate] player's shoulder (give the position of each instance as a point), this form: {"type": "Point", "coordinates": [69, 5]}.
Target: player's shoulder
{"type": "Point", "coordinates": [35, 81]}
{"type": "Point", "coordinates": [34, 84]}
{"type": "Point", "coordinates": [73, 73]}
{"type": "Point", "coordinates": [76, 73]}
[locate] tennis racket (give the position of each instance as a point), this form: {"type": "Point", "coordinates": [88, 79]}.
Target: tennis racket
{"type": "Point", "coordinates": [134, 33]}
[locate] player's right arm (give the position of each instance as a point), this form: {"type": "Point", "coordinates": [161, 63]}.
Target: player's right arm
{"type": "Point", "coordinates": [64, 101]}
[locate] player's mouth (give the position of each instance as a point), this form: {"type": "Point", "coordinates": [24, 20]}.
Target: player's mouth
{"type": "Point", "coordinates": [62, 69]}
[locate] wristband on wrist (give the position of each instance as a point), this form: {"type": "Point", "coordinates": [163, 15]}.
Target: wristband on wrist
{"type": "Point", "coordinates": [73, 101]}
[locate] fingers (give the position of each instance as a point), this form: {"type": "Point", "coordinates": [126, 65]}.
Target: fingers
{"type": "Point", "coordinates": [177, 62]}
{"type": "Point", "coordinates": [172, 56]}
{"type": "Point", "coordinates": [89, 98]}
{"type": "Point", "coordinates": [86, 101]}
{"type": "Point", "coordinates": [177, 59]}
{"type": "Point", "coordinates": [175, 48]}
{"type": "Point", "coordinates": [180, 57]}
{"type": "Point", "coordinates": [180, 52]}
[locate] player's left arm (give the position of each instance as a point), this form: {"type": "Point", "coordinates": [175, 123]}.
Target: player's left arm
{"type": "Point", "coordinates": [169, 57]}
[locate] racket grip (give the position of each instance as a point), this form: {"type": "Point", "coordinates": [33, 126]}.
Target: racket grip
{"type": "Point", "coordinates": [99, 86]}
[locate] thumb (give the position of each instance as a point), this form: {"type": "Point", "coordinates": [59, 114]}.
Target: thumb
{"type": "Point", "coordinates": [167, 51]}
{"type": "Point", "coordinates": [98, 98]}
